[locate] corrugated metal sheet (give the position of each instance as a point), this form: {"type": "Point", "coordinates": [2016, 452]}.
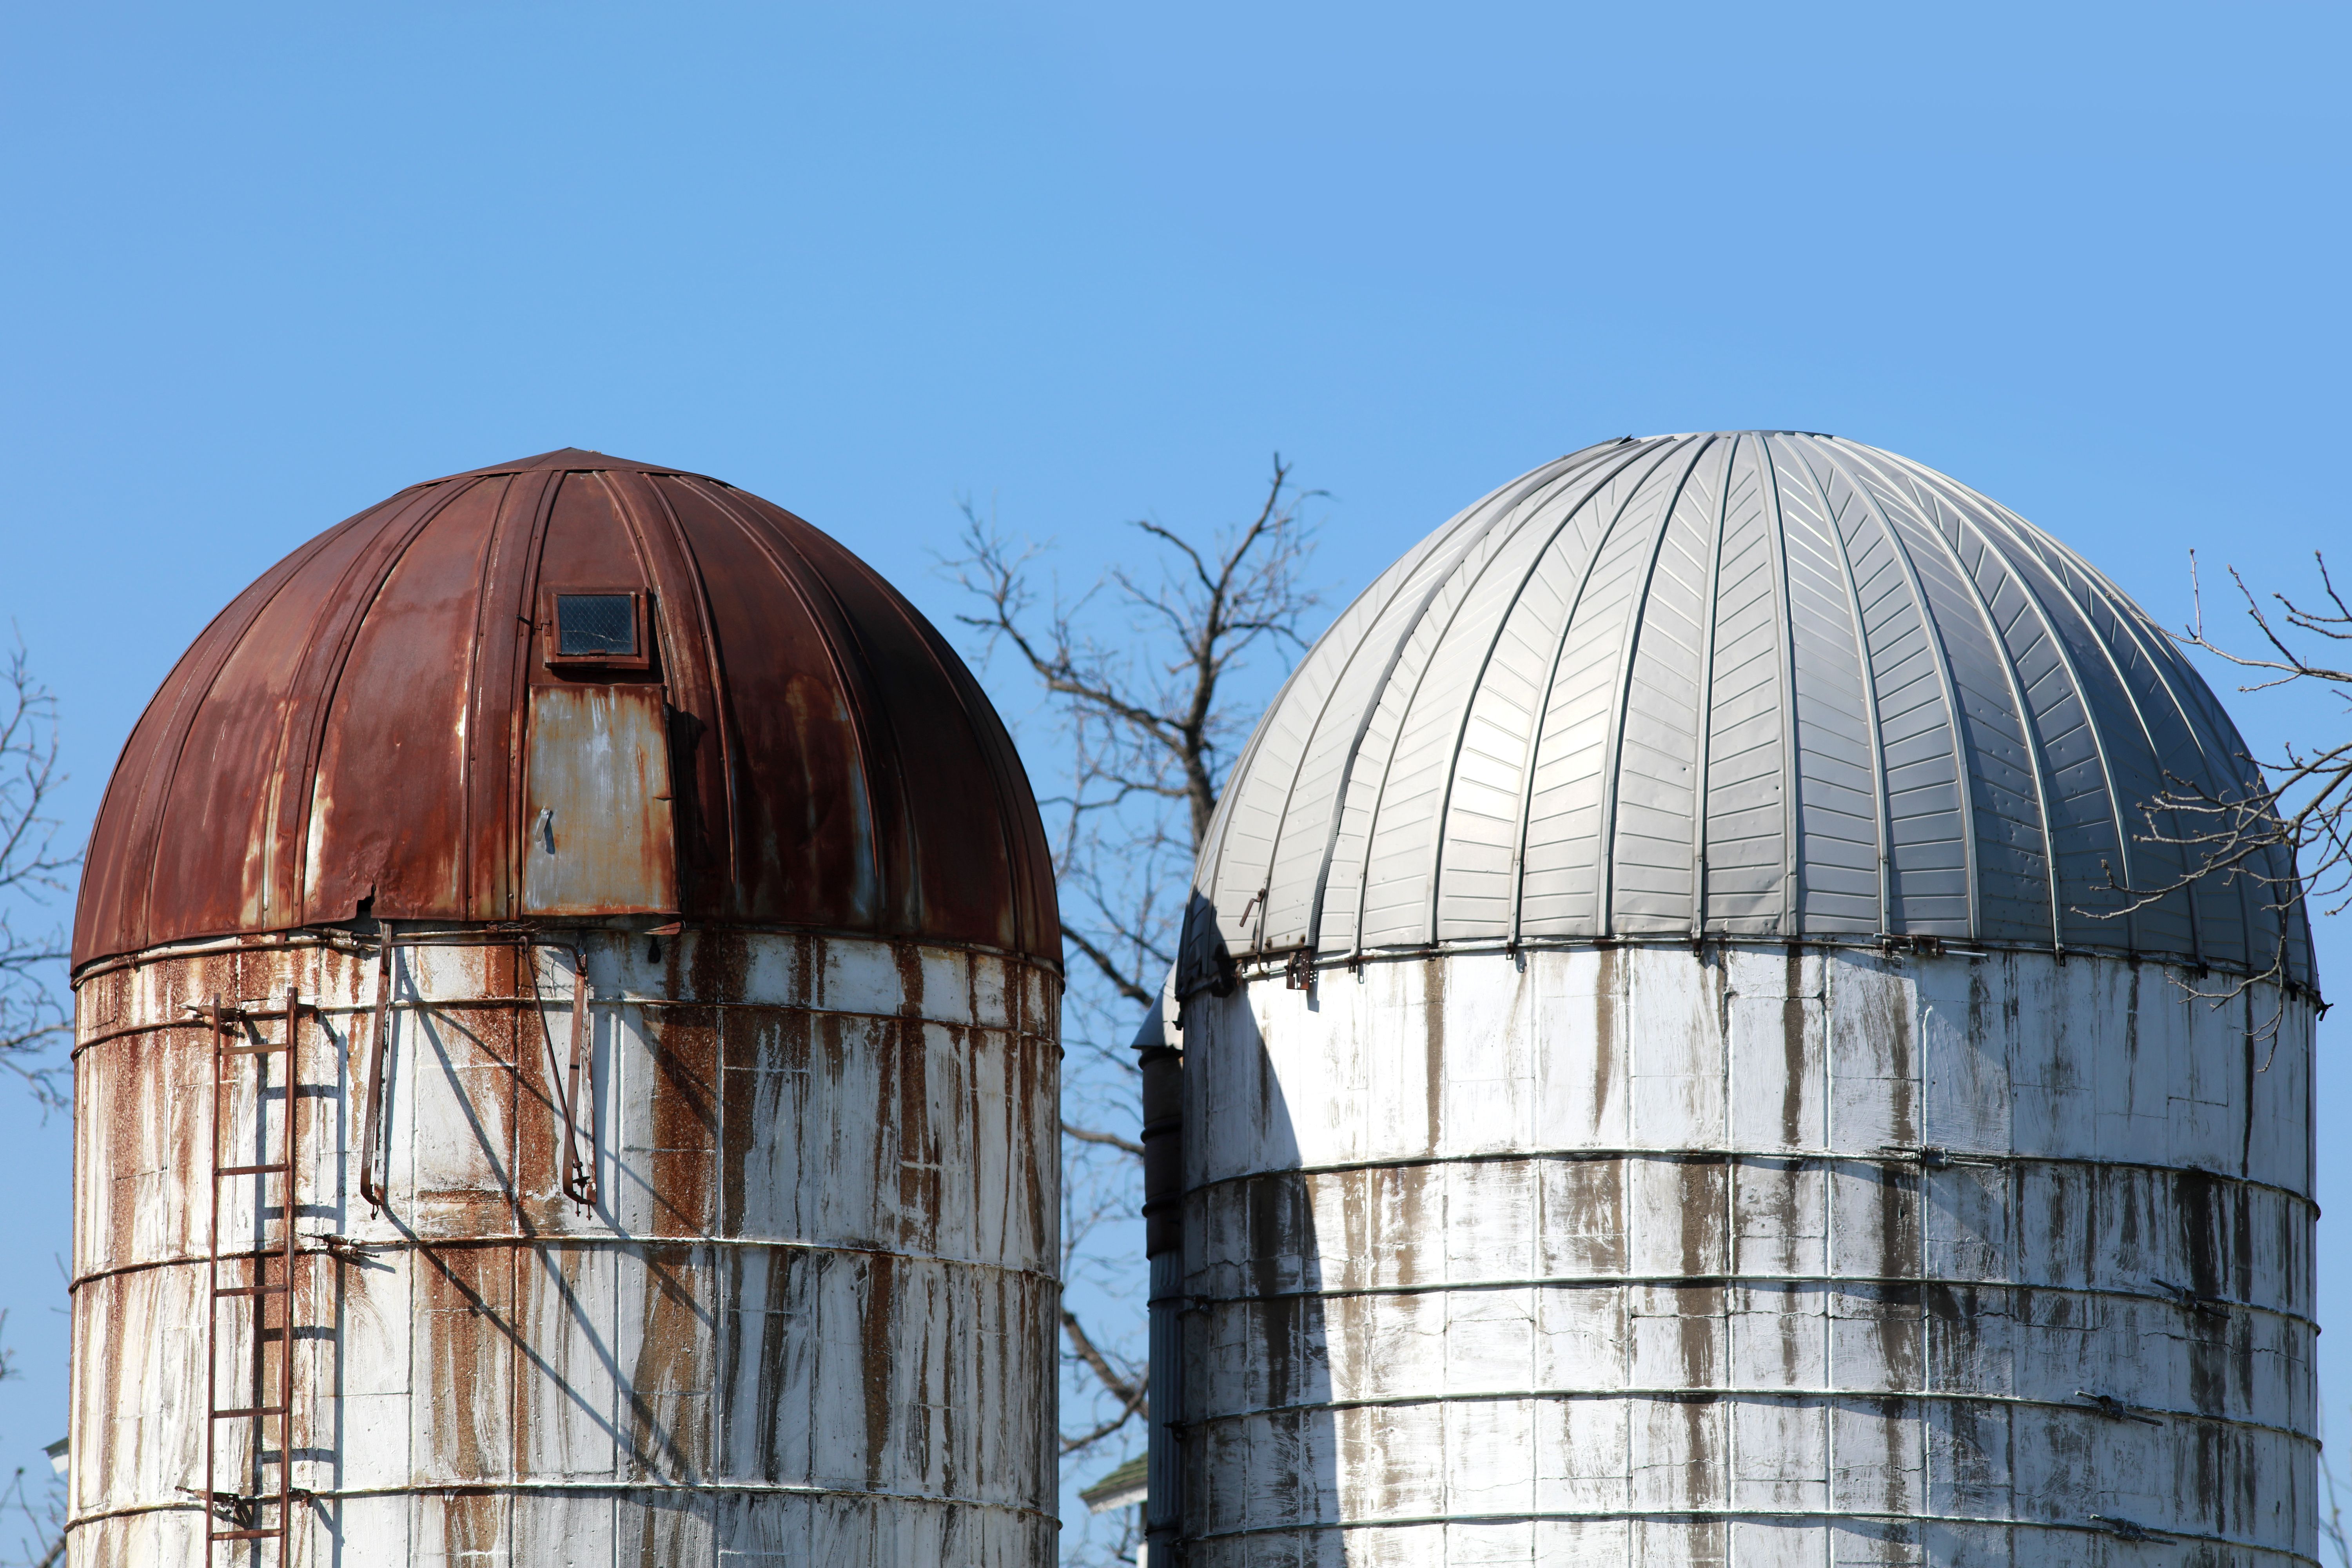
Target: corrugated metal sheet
{"type": "Point", "coordinates": [1751, 683]}
{"type": "Point", "coordinates": [350, 735]}
{"type": "Point", "coordinates": [1765, 1254]}
{"type": "Point", "coordinates": [811, 1318]}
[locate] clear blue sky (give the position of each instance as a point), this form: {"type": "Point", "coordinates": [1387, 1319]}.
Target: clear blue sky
{"type": "Point", "coordinates": [265, 264]}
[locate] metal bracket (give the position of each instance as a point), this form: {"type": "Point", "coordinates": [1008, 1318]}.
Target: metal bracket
{"type": "Point", "coordinates": [1892, 942]}
{"type": "Point", "coordinates": [579, 1175]}
{"type": "Point", "coordinates": [2115, 1409]}
{"type": "Point", "coordinates": [375, 1143]}
{"type": "Point", "coordinates": [2208, 1306]}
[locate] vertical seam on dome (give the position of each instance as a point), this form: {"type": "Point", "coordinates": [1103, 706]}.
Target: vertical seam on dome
{"type": "Point", "coordinates": [469, 699]}
{"type": "Point", "coordinates": [188, 704]}
{"type": "Point", "coordinates": [2035, 751]}
{"type": "Point", "coordinates": [634, 526]}
{"type": "Point", "coordinates": [1347, 766]}
{"type": "Point", "coordinates": [2200, 725]}
{"type": "Point", "coordinates": [334, 684]}
{"type": "Point", "coordinates": [1706, 737]}
{"type": "Point", "coordinates": [2212, 724]}
{"type": "Point", "coordinates": [1963, 772]}
{"type": "Point", "coordinates": [1372, 708]}
{"type": "Point", "coordinates": [1551, 675]}
{"type": "Point", "coordinates": [721, 699]}
{"type": "Point", "coordinates": [1470, 702]}
{"type": "Point", "coordinates": [1882, 822]}
{"type": "Point", "coordinates": [837, 654]}
{"type": "Point", "coordinates": [1372, 822]}
{"type": "Point", "coordinates": [1792, 861]}
{"type": "Point", "coordinates": [1212, 852]}
{"type": "Point", "coordinates": [1017, 863]}
{"type": "Point", "coordinates": [534, 545]}
{"type": "Point", "coordinates": [2090, 715]}
{"type": "Point", "coordinates": [1628, 649]}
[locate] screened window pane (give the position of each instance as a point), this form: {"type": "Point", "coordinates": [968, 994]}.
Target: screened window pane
{"type": "Point", "coordinates": [587, 625]}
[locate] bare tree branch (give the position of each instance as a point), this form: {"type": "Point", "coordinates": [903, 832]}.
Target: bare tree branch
{"type": "Point", "coordinates": [2288, 835]}
{"type": "Point", "coordinates": [1154, 712]}
{"type": "Point", "coordinates": [47, 1544]}
{"type": "Point", "coordinates": [1127, 1390]}
{"type": "Point", "coordinates": [1150, 680]}
{"type": "Point", "coordinates": [34, 873]}
{"type": "Point", "coordinates": [1088, 1135]}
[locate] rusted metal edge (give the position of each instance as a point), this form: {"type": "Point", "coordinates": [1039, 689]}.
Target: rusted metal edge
{"type": "Point", "coordinates": [520, 1487]}
{"type": "Point", "coordinates": [463, 1004]}
{"type": "Point", "coordinates": [1701, 1395]}
{"type": "Point", "coordinates": [1194, 1302]}
{"type": "Point", "coordinates": [374, 1136]}
{"type": "Point", "coordinates": [339, 1246]}
{"type": "Point", "coordinates": [1782, 1515]}
{"type": "Point", "coordinates": [487, 934]}
{"type": "Point", "coordinates": [1930, 1158]}
{"type": "Point", "coordinates": [1274, 964]}
{"type": "Point", "coordinates": [579, 1176]}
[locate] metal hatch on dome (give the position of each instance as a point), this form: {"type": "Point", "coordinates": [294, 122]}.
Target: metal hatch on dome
{"type": "Point", "coordinates": [602, 834]}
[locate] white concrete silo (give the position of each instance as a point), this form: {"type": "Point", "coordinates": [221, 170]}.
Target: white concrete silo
{"type": "Point", "coordinates": [1666, 1078]}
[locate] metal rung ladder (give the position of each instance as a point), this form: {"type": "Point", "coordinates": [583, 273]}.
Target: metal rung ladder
{"type": "Point", "coordinates": [258, 1514]}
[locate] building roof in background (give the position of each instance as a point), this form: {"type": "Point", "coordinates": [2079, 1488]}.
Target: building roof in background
{"type": "Point", "coordinates": [1123, 1488]}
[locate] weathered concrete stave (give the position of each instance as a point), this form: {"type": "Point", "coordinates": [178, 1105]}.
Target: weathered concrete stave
{"type": "Point", "coordinates": [1451, 1264]}
{"type": "Point", "coordinates": [814, 1309]}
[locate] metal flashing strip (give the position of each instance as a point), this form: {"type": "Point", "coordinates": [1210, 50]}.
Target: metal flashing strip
{"type": "Point", "coordinates": [499, 933]}
{"type": "Point", "coordinates": [592, 1488]}
{"type": "Point", "coordinates": [2177, 1298]}
{"type": "Point", "coordinates": [1699, 1393]}
{"type": "Point", "coordinates": [1272, 966]}
{"type": "Point", "coordinates": [627, 999]}
{"type": "Point", "coordinates": [2111, 1527]}
{"type": "Point", "coordinates": [1932, 1156]}
{"type": "Point", "coordinates": [355, 1251]}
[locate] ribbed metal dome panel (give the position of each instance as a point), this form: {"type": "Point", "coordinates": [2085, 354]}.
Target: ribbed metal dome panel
{"type": "Point", "coordinates": [1752, 683]}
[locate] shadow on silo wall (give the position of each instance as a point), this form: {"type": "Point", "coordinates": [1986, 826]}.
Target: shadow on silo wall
{"type": "Point", "coordinates": [1261, 1441]}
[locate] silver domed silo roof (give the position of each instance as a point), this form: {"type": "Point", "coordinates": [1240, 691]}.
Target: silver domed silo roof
{"type": "Point", "coordinates": [1763, 684]}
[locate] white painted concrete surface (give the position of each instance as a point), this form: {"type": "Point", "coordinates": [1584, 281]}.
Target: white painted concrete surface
{"type": "Point", "coordinates": [811, 1320]}
{"type": "Point", "coordinates": [1748, 1255]}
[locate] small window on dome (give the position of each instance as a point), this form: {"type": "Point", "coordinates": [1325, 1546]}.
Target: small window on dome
{"type": "Point", "coordinates": [595, 625]}
{"type": "Point", "coordinates": [604, 627]}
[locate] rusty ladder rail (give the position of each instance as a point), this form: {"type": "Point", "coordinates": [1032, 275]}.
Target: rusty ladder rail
{"type": "Point", "coordinates": [242, 1511]}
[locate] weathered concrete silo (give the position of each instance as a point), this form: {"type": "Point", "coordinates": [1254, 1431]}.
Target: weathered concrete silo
{"type": "Point", "coordinates": [566, 1073]}
{"type": "Point", "coordinates": [1665, 1078]}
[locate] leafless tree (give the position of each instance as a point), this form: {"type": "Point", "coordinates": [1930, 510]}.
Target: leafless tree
{"type": "Point", "coordinates": [2290, 837]}
{"type": "Point", "coordinates": [2335, 1532]}
{"type": "Point", "coordinates": [1152, 678]}
{"type": "Point", "coordinates": [41, 1506]}
{"type": "Point", "coordinates": [35, 877]}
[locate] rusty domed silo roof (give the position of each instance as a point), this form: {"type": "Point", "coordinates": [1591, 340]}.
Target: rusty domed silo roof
{"type": "Point", "coordinates": [1748, 683]}
{"type": "Point", "coordinates": [382, 724]}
